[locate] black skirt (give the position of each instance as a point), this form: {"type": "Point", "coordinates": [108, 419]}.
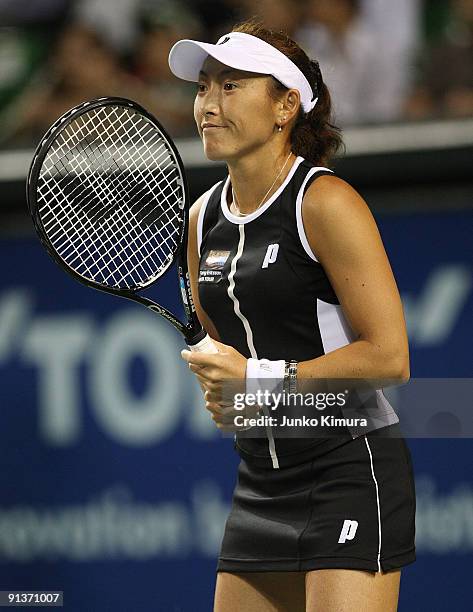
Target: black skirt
{"type": "Point", "coordinates": [351, 508]}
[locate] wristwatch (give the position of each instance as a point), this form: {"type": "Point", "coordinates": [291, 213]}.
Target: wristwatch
{"type": "Point", "coordinates": [290, 377]}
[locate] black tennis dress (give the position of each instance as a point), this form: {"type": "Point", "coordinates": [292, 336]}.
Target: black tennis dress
{"type": "Point", "coordinates": [299, 503]}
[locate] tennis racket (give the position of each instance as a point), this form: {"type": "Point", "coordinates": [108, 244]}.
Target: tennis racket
{"type": "Point", "coordinates": [109, 200]}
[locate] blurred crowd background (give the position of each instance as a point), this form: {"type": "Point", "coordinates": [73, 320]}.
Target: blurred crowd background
{"type": "Point", "coordinates": [384, 60]}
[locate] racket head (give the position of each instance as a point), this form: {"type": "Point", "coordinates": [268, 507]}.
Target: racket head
{"type": "Point", "coordinates": [108, 196]}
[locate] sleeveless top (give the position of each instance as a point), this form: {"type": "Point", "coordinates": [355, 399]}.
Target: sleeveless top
{"type": "Point", "coordinates": [269, 297]}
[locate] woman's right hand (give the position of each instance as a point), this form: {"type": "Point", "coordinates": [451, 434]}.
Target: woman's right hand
{"type": "Point", "coordinates": [224, 412]}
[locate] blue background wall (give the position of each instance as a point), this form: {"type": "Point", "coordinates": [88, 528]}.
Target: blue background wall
{"type": "Point", "coordinates": [114, 482]}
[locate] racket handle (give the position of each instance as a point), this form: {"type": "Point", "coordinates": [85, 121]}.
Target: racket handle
{"type": "Point", "coordinates": [204, 346]}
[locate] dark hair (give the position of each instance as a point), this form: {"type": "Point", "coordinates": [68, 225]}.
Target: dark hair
{"type": "Point", "coordinates": [355, 5]}
{"type": "Point", "coordinates": [313, 136]}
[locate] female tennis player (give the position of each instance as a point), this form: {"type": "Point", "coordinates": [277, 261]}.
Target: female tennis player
{"type": "Point", "coordinates": [290, 277]}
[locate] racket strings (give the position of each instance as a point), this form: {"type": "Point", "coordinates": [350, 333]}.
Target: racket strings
{"type": "Point", "coordinates": [111, 198]}
{"type": "Point", "coordinates": [114, 161]}
{"type": "Point", "coordinates": [94, 188]}
{"type": "Point", "coordinates": [91, 230]}
{"type": "Point", "coordinates": [103, 190]}
{"type": "Point", "coordinates": [101, 194]}
{"type": "Point", "coordinates": [157, 184]}
{"type": "Point", "coordinates": [71, 220]}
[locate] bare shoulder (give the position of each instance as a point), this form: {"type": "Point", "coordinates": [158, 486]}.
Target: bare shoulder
{"type": "Point", "coordinates": [338, 222]}
{"type": "Point", "coordinates": [329, 197]}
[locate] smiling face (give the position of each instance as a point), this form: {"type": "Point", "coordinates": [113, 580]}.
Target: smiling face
{"type": "Point", "coordinates": [233, 111]}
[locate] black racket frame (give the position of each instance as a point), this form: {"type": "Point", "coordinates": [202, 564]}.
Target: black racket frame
{"type": "Point", "coordinates": [192, 330]}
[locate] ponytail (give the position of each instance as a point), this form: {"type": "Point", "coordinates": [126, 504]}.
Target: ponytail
{"type": "Point", "coordinates": [313, 135]}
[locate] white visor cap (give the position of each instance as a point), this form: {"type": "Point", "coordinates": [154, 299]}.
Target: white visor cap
{"type": "Point", "coordinates": [243, 52]}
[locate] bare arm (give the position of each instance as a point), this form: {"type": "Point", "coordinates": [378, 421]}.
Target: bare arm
{"type": "Point", "coordinates": [193, 264]}
{"type": "Point", "coordinates": [344, 237]}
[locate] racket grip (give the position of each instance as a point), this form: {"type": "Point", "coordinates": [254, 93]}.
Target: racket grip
{"type": "Point", "coordinates": [204, 346]}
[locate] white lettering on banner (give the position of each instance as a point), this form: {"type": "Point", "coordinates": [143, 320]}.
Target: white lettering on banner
{"type": "Point", "coordinates": [15, 310]}
{"type": "Point", "coordinates": [444, 522]}
{"type": "Point", "coordinates": [56, 346]}
{"type": "Point", "coordinates": [432, 316]}
{"type": "Point", "coordinates": [63, 347]}
{"type": "Point", "coordinates": [136, 421]}
{"type": "Point", "coordinates": [115, 526]}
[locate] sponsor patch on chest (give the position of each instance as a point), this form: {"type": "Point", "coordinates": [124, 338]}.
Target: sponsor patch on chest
{"type": "Point", "coordinates": [211, 270]}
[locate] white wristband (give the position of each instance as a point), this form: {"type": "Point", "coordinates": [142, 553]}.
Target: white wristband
{"type": "Point", "coordinates": [265, 377]}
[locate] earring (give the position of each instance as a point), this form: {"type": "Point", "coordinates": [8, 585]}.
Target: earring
{"type": "Point", "coordinates": [279, 128]}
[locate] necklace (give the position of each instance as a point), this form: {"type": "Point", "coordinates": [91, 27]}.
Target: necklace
{"type": "Point", "coordinates": [236, 206]}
